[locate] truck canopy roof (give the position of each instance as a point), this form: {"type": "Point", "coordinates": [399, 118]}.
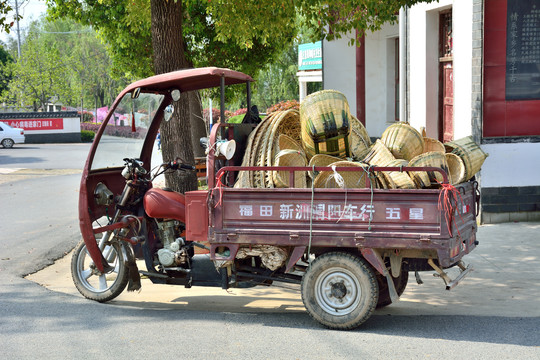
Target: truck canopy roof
{"type": "Point", "coordinates": [189, 79]}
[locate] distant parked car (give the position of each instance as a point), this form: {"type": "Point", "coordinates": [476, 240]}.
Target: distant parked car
{"type": "Point", "coordinates": [10, 136]}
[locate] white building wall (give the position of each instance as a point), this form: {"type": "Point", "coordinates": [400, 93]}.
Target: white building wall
{"type": "Point", "coordinates": [463, 34]}
{"type": "Point", "coordinates": [380, 79]}
{"type": "Point", "coordinates": [511, 165]}
{"type": "Point", "coordinates": [339, 68]}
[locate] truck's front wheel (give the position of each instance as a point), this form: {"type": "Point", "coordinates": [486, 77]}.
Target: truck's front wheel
{"type": "Point", "coordinates": [339, 290]}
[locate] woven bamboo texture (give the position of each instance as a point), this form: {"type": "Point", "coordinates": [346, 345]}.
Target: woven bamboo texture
{"type": "Point", "coordinates": [379, 155]}
{"type": "Point", "coordinates": [433, 145]}
{"type": "Point", "coordinates": [351, 179]}
{"type": "Point", "coordinates": [398, 179]}
{"type": "Point", "coordinates": [427, 179]}
{"type": "Point", "coordinates": [404, 141]}
{"type": "Point", "coordinates": [456, 169]}
{"type": "Point", "coordinates": [290, 157]}
{"type": "Point", "coordinates": [470, 153]}
{"type": "Point", "coordinates": [360, 140]}
{"type": "Point", "coordinates": [325, 124]}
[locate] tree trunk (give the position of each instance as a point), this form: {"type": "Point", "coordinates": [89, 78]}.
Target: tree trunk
{"type": "Point", "coordinates": [198, 127]}
{"type": "Point", "coordinates": [168, 46]}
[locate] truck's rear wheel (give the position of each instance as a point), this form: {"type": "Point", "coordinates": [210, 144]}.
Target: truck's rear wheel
{"type": "Point", "coordinates": [400, 283]}
{"type": "Point", "coordinates": [339, 290]}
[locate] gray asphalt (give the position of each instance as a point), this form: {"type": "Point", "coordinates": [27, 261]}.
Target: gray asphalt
{"type": "Point", "coordinates": [38, 223]}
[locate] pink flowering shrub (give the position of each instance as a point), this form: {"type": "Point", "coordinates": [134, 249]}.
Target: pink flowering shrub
{"type": "Point", "coordinates": [284, 105]}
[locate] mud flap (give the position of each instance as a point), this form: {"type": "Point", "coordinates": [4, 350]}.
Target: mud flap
{"type": "Point", "coordinates": [377, 262]}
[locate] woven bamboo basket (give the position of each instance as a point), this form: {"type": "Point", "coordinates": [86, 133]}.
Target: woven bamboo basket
{"type": "Point", "coordinates": [351, 179]}
{"type": "Point", "coordinates": [456, 169]}
{"type": "Point", "coordinates": [404, 141]}
{"type": "Point", "coordinates": [290, 157]}
{"type": "Point", "coordinates": [470, 153]}
{"type": "Point", "coordinates": [321, 160]}
{"type": "Point", "coordinates": [286, 122]}
{"type": "Point", "coordinates": [257, 177]}
{"type": "Point", "coordinates": [360, 140]}
{"type": "Point", "coordinates": [433, 145]}
{"type": "Point", "coordinates": [428, 179]}
{"type": "Point", "coordinates": [325, 124]}
{"type": "Point", "coordinates": [245, 178]}
{"type": "Point", "coordinates": [398, 179]}
{"type": "Point", "coordinates": [379, 155]}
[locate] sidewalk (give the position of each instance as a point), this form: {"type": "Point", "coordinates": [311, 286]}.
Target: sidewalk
{"type": "Point", "coordinates": [505, 282]}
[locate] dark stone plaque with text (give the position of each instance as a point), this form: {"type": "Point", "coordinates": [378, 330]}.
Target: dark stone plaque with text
{"type": "Point", "coordinates": [523, 50]}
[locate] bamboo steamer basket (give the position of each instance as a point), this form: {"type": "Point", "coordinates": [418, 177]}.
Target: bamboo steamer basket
{"type": "Point", "coordinates": [404, 141]}
{"type": "Point", "coordinates": [398, 179]}
{"type": "Point", "coordinates": [427, 179]}
{"type": "Point", "coordinates": [470, 153]}
{"type": "Point", "coordinates": [431, 144]}
{"type": "Point", "coordinates": [456, 169]}
{"type": "Point", "coordinates": [325, 124]}
{"type": "Point", "coordinates": [290, 157]}
{"type": "Point", "coordinates": [351, 179]}
{"type": "Point", "coordinates": [360, 140]}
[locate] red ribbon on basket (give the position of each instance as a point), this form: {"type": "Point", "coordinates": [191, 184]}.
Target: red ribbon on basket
{"type": "Point", "coordinates": [449, 193]}
{"type": "Point", "coordinates": [219, 186]}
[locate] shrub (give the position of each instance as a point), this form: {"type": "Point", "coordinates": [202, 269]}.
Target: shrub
{"type": "Point", "coordinates": [87, 135]}
{"type": "Point", "coordinates": [284, 105]}
{"type": "Point", "coordinates": [87, 116]}
{"type": "Point", "coordinates": [121, 131]}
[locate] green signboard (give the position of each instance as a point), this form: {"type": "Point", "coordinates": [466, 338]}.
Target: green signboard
{"type": "Point", "coordinates": [310, 56]}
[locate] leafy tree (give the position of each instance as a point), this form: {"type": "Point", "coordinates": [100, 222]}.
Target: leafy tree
{"type": "Point", "coordinates": [5, 23]}
{"type": "Point", "coordinates": [179, 35]}
{"type": "Point", "coordinates": [244, 21]}
{"type": "Point", "coordinates": [64, 60]}
{"type": "Point", "coordinates": [38, 75]}
{"type": "Point", "coordinates": [5, 76]}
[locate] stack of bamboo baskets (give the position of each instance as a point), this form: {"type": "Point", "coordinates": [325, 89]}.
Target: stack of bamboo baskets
{"type": "Point", "coordinates": [324, 133]}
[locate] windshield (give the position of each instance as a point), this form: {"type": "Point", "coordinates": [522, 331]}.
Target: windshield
{"type": "Point", "coordinates": [118, 140]}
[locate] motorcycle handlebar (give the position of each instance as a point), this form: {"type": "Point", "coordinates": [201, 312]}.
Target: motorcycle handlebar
{"type": "Point", "coordinates": [174, 165]}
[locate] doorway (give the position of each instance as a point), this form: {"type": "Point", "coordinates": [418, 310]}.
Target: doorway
{"type": "Point", "coordinates": [446, 77]}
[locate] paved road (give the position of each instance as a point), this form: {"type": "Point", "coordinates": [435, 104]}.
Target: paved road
{"type": "Point", "coordinates": [38, 223]}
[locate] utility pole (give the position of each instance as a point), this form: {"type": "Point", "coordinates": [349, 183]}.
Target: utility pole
{"type": "Point", "coordinates": [18, 30]}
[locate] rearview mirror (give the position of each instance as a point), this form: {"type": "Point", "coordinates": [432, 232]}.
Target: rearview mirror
{"type": "Point", "coordinates": [136, 92]}
{"type": "Point", "coordinates": [175, 94]}
{"type": "Point", "coordinates": [169, 110]}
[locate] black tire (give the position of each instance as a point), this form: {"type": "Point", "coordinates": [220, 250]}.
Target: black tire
{"type": "Point", "coordinates": [339, 290]}
{"type": "Point", "coordinates": [400, 283]}
{"type": "Point", "coordinates": [103, 287]}
{"type": "Point", "coordinates": [7, 143]}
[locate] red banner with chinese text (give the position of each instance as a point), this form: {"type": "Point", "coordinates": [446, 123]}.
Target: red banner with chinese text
{"type": "Point", "coordinates": [36, 124]}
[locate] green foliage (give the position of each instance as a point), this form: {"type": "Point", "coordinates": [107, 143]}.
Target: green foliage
{"type": "Point", "coordinates": [5, 64]}
{"type": "Point", "coordinates": [87, 135]}
{"type": "Point", "coordinates": [62, 60]}
{"type": "Point", "coordinates": [5, 23]}
{"type": "Point", "coordinates": [246, 22]}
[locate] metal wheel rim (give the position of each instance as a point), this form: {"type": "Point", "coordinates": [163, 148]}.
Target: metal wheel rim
{"type": "Point", "coordinates": [86, 276]}
{"type": "Point", "coordinates": [331, 304]}
{"type": "Point", "coordinates": [7, 143]}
